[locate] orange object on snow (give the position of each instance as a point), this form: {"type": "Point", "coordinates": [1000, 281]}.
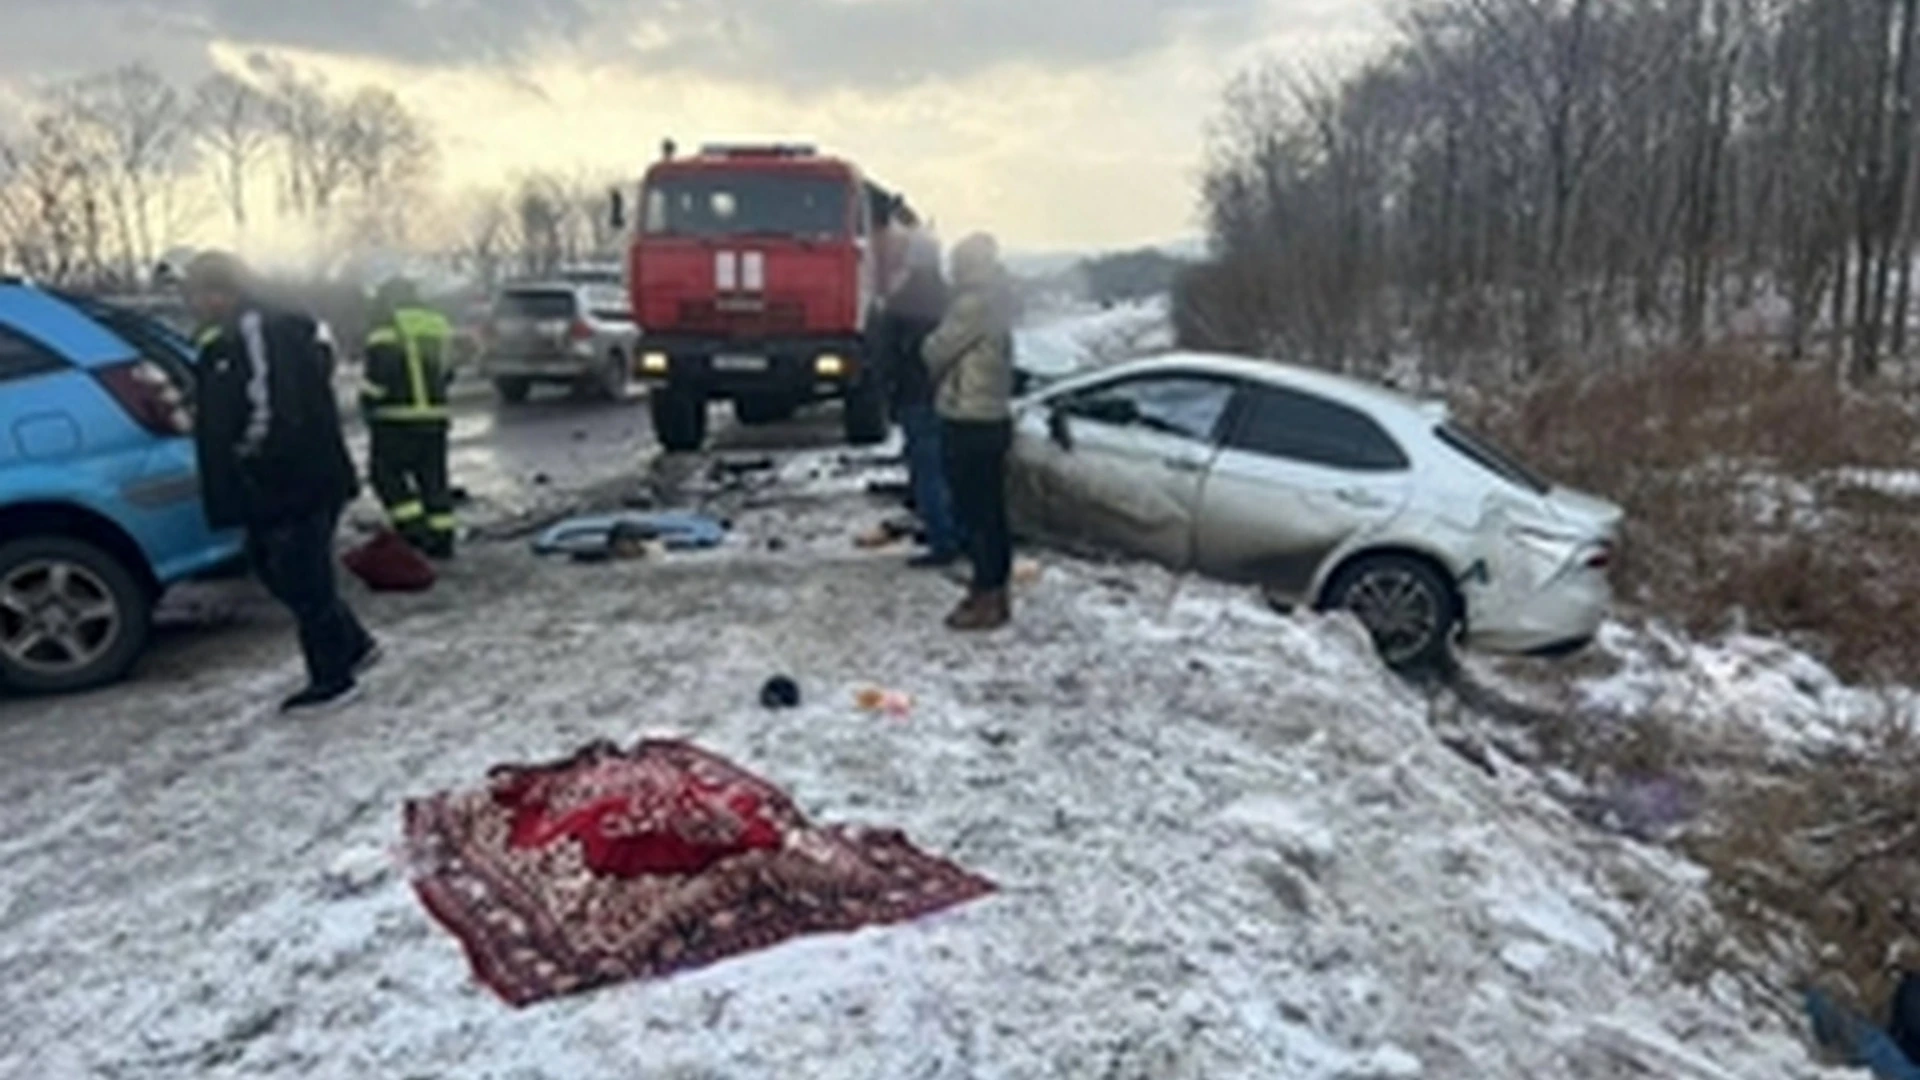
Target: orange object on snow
{"type": "Point", "coordinates": [891, 702]}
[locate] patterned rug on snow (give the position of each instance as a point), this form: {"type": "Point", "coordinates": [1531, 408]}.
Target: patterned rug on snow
{"type": "Point", "coordinates": [615, 865]}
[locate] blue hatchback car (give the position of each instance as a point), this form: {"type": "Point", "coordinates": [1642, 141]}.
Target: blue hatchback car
{"type": "Point", "coordinates": [99, 492]}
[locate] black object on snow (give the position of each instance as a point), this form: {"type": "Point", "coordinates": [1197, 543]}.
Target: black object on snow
{"type": "Point", "coordinates": [1905, 1026]}
{"type": "Point", "coordinates": [742, 466]}
{"type": "Point", "coordinates": [891, 490]}
{"type": "Point", "coordinates": [780, 692]}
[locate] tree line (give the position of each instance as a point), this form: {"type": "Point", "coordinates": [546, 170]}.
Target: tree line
{"type": "Point", "coordinates": [1520, 182]}
{"type": "Point", "coordinates": [111, 171]}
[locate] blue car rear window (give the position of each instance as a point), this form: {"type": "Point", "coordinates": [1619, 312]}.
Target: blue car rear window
{"type": "Point", "coordinates": [60, 328]}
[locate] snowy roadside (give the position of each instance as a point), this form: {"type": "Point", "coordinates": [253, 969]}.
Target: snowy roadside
{"type": "Point", "coordinates": [1067, 343]}
{"type": "Point", "coordinates": [1229, 845]}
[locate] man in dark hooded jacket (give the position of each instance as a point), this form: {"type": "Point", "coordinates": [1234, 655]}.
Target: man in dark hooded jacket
{"type": "Point", "coordinates": [914, 308]}
{"type": "Point", "coordinates": [272, 460]}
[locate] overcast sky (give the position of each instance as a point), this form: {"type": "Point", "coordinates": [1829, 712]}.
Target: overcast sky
{"type": "Point", "coordinates": [1056, 123]}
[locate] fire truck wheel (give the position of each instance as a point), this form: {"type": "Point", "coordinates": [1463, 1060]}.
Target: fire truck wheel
{"type": "Point", "coordinates": [866, 414]}
{"type": "Point", "coordinates": [680, 420]}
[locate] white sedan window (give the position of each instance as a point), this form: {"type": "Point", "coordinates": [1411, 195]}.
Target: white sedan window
{"type": "Point", "coordinates": [1301, 427]}
{"type": "Point", "coordinates": [1186, 406]}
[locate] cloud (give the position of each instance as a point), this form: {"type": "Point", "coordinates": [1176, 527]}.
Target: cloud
{"type": "Point", "coordinates": [810, 44]}
{"type": "Point", "coordinates": [801, 46]}
{"type": "Point", "coordinates": [1057, 123]}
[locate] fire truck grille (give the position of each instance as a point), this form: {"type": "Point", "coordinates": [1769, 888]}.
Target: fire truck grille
{"type": "Point", "coordinates": [741, 319]}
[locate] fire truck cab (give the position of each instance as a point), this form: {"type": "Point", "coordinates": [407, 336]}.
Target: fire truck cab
{"type": "Point", "coordinates": [755, 276]}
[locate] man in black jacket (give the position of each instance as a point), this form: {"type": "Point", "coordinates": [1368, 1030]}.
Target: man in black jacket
{"type": "Point", "coordinates": [272, 460]}
{"type": "Point", "coordinates": [913, 309]}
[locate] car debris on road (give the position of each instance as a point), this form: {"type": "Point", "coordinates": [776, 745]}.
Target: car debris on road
{"type": "Point", "coordinates": [596, 533]}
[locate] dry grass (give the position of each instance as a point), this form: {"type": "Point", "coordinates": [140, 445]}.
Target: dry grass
{"type": "Point", "coordinates": [1730, 468]}
{"type": "Point", "coordinates": [1817, 868]}
{"type": "Point", "coordinates": [1742, 515]}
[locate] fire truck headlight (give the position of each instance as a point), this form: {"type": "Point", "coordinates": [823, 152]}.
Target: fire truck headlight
{"type": "Point", "coordinates": [830, 366]}
{"type": "Point", "coordinates": [653, 363]}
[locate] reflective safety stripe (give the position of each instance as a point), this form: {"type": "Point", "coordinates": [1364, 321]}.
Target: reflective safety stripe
{"type": "Point", "coordinates": [411, 327]}
{"type": "Point", "coordinates": [411, 414]}
{"type": "Point", "coordinates": [442, 523]}
{"type": "Point", "coordinates": [416, 372]}
{"type": "Point", "coordinates": [407, 512]}
{"type": "Point", "coordinates": [207, 336]}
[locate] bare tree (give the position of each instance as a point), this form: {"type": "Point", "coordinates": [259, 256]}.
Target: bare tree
{"type": "Point", "coordinates": [52, 210]}
{"type": "Point", "coordinates": [485, 235]}
{"type": "Point", "coordinates": [541, 213]}
{"type": "Point", "coordinates": [389, 157]}
{"type": "Point", "coordinates": [137, 126]}
{"type": "Point", "coordinates": [1535, 177]}
{"type": "Point", "coordinates": [316, 139]}
{"type": "Point", "coordinates": [233, 122]}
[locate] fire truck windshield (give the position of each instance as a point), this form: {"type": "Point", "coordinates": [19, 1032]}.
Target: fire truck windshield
{"type": "Point", "coordinates": [745, 203]}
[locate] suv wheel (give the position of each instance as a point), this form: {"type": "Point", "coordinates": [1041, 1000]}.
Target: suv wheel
{"type": "Point", "coordinates": [513, 391]}
{"type": "Point", "coordinates": [1406, 605]}
{"type": "Point", "coordinates": [679, 419]}
{"type": "Point", "coordinates": [71, 616]}
{"type": "Point", "coordinates": [615, 377]}
{"type": "Point", "coordinates": [866, 413]}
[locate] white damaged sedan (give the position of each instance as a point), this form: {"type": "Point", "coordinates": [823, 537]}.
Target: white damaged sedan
{"type": "Point", "coordinates": [1325, 492]}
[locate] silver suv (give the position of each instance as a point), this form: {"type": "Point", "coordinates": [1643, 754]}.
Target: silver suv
{"type": "Point", "coordinates": [580, 333]}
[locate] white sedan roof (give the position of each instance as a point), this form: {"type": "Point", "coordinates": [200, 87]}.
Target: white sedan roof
{"type": "Point", "coordinates": [1369, 397]}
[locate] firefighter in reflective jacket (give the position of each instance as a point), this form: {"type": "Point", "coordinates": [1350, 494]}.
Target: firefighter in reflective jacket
{"type": "Point", "coordinates": [405, 401]}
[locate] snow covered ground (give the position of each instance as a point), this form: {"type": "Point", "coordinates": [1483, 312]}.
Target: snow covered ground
{"type": "Point", "coordinates": [1744, 689]}
{"type": "Point", "coordinates": [1229, 845]}
{"type": "Point", "coordinates": [1064, 343]}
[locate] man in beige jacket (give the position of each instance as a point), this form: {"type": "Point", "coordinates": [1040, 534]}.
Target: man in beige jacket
{"type": "Point", "coordinates": [970, 359]}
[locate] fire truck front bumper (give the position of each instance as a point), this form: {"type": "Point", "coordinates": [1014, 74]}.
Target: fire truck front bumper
{"type": "Point", "coordinates": [799, 368]}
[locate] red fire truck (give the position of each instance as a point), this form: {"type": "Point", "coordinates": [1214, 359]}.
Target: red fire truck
{"type": "Point", "coordinates": [755, 274]}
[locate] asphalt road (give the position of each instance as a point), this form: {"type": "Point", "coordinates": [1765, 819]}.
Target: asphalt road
{"type": "Point", "coordinates": [540, 458]}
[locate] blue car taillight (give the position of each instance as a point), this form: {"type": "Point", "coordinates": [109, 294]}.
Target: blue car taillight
{"type": "Point", "coordinates": [144, 390]}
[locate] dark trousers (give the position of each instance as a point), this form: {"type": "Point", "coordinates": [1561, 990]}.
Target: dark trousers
{"type": "Point", "coordinates": [927, 475]}
{"type": "Point", "coordinates": [294, 559]}
{"type": "Point", "coordinates": [409, 467]}
{"type": "Point", "coordinates": [976, 472]}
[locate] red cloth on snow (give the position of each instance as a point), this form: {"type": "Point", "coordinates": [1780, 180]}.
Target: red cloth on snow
{"type": "Point", "coordinates": [614, 865]}
{"type": "Point", "coordinates": [636, 816]}
{"type": "Point", "coordinates": [387, 563]}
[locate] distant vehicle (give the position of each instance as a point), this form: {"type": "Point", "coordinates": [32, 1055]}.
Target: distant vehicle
{"type": "Point", "coordinates": [1326, 492]}
{"type": "Point", "coordinates": [611, 274]}
{"type": "Point", "coordinates": [99, 488]}
{"type": "Point", "coordinates": [164, 306]}
{"type": "Point", "coordinates": [755, 276]}
{"type": "Point", "coordinates": [579, 334]}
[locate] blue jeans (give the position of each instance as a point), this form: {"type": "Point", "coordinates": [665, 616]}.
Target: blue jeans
{"type": "Point", "coordinates": [927, 475]}
{"type": "Point", "coordinates": [1858, 1040]}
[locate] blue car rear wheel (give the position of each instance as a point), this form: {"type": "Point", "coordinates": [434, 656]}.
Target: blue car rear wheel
{"type": "Point", "coordinates": [72, 616]}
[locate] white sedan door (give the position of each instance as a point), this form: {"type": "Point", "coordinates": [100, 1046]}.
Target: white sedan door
{"type": "Point", "coordinates": [1298, 478]}
{"type": "Point", "coordinates": [1122, 465]}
